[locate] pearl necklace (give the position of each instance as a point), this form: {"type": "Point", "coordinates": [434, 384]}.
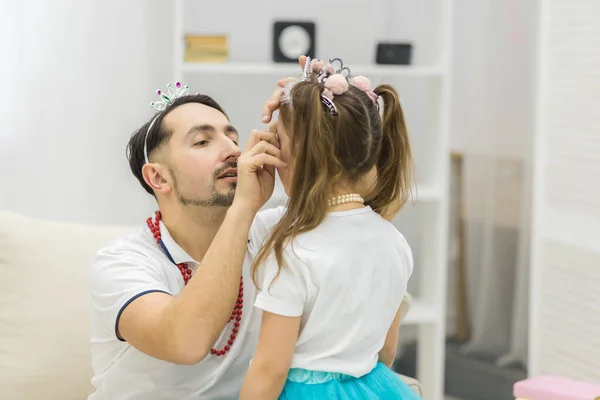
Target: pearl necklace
{"type": "Point", "coordinates": [346, 198]}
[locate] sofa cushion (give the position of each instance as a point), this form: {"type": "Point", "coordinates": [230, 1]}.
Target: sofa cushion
{"type": "Point", "coordinates": [44, 306]}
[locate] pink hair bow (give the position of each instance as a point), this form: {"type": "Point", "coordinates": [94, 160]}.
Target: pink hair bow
{"type": "Point", "coordinates": [364, 84]}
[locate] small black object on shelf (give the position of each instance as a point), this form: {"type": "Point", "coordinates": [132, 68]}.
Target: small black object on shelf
{"type": "Point", "coordinates": [292, 39]}
{"type": "Point", "coordinates": [394, 53]}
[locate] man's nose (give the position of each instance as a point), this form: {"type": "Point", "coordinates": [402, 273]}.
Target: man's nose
{"type": "Point", "coordinates": [231, 151]}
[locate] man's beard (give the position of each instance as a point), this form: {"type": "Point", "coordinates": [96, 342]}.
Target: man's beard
{"type": "Point", "coordinates": [215, 200]}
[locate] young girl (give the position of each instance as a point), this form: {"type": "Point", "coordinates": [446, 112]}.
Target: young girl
{"type": "Point", "coordinates": [333, 271]}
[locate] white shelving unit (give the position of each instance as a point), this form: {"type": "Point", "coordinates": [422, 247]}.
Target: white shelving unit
{"type": "Point", "coordinates": [286, 69]}
{"type": "Point", "coordinates": [432, 195]}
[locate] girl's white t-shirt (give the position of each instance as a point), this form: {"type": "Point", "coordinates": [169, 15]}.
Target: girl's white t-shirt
{"type": "Point", "coordinates": [346, 279]}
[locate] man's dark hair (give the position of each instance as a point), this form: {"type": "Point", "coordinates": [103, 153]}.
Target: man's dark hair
{"type": "Point", "coordinates": [158, 135]}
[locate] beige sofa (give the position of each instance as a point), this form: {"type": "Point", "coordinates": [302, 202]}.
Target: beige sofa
{"type": "Point", "coordinates": [44, 321]}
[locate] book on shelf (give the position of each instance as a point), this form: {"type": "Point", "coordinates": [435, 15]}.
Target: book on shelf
{"type": "Point", "coordinates": [202, 48]}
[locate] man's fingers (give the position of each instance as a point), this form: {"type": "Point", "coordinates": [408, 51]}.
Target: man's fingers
{"type": "Point", "coordinates": [257, 136]}
{"type": "Point", "coordinates": [282, 82]}
{"type": "Point", "coordinates": [266, 159]}
{"type": "Point", "coordinates": [269, 169]}
{"type": "Point", "coordinates": [264, 147]}
{"type": "Point", "coordinates": [274, 101]}
{"type": "Point", "coordinates": [302, 61]}
{"type": "Point", "coordinates": [271, 105]}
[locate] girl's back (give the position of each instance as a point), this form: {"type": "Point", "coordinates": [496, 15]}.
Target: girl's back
{"type": "Point", "coordinates": [346, 278]}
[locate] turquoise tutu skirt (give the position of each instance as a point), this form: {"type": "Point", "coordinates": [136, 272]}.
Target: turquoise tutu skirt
{"type": "Point", "coordinates": [381, 384]}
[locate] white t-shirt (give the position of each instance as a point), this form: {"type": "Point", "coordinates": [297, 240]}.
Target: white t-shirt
{"type": "Point", "coordinates": [136, 265]}
{"type": "Point", "coordinates": [346, 278]}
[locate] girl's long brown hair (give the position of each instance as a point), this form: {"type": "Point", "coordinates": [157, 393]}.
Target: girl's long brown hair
{"type": "Point", "coordinates": [328, 149]}
{"type": "Point", "coordinates": [394, 162]}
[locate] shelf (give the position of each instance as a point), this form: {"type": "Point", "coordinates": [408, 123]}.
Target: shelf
{"type": "Point", "coordinates": [421, 313]}
{"type": "Point", "coordinates": [294, 69]}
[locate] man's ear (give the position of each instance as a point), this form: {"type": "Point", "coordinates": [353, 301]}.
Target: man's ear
{"type": "Point", "coordinates": [157, 177]}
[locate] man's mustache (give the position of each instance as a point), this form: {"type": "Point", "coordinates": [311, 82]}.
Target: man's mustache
{"type": "Point", "coordinates": [224, 168]}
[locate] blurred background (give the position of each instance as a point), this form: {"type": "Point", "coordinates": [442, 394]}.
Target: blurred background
{"type": "Point", "coordinates": [500, 99]}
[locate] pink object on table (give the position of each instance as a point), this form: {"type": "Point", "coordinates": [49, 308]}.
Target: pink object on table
{"type": "Point", "coordinates": [555, 388]}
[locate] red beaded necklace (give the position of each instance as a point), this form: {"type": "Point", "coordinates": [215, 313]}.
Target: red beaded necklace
{"type": "Point", "coordinates": [186, 273]}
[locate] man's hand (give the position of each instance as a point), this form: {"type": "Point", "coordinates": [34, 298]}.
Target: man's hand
{"type": "Point", "coordinates": [256, 170]}
{"type": "Point", "coordinates": [274, 101]}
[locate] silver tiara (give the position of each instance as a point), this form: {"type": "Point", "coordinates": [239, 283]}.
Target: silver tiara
{"type": "Point", "coordinates": [172, 93]}
{"type": "Point", "coordinates": [165, 100]}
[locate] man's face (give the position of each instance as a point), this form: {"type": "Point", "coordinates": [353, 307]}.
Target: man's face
{"type": "Point", "coordinates": [202, 154]}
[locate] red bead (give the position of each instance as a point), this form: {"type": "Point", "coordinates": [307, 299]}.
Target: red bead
{"type": "Point", "coordinates": [186, 273]}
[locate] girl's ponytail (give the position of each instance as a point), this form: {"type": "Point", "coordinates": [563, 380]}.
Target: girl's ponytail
{"type": "Point", "coordinates": [394, 164]}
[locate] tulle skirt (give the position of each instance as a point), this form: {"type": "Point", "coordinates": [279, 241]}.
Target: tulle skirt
{"type": "Point", "coordinates": [381, 384]}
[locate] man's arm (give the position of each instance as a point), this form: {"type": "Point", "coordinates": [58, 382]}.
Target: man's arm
{"type": "Point", "coordinates": [183, 329]}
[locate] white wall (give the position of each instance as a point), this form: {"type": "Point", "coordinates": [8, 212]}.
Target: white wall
{"type": "Point", "coordinates": [493, 63]}
{"type": "Point", "coordinates": [565, 322]}
{"type": "Point", "coordinates": [80, 77]}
